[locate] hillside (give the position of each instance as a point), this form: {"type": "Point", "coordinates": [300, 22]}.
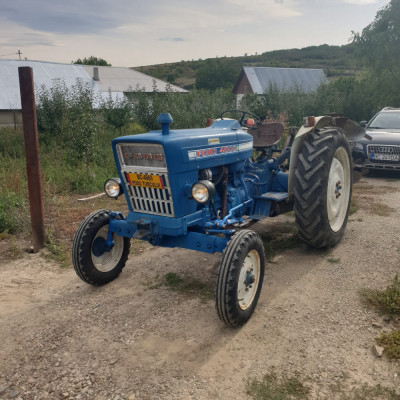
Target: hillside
{"type": "Point", "coordinates": [336, 61]}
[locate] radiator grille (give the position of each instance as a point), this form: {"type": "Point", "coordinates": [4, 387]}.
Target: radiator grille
{"type": "Point", "coordinates": [383, 154]}
{"type": "Point", "coordinates": [146, 158]}
{"type": "Point", "coordinates": [149, 200]}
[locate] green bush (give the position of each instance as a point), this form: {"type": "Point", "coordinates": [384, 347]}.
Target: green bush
{"type": "Point", "coordinates": [13, 212]}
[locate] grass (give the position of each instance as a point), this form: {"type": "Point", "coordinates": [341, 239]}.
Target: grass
{"type": "Point", "coordinates": [353, 206]}
{"type": "Point", "coordinates": [13, 250]}
{"type": "Point", "coordinates": [270, 387]}
{"type": "Point", "coordinates": [364, 392]}
{"type": "Point", "coordinates": [380, 209]}
{"type": "Point", "coordinates": [391, 343]}
{"type": "Point", "coordinates": [57, 250]}
{"type": "Point", "coordinates": [281, 239]}
{"type": "Point", "coordinates": [386, 301]}
{"type": "Point", "coordinates": [188, 285]}
{"type": "Point", "coordinates": [334, 260]}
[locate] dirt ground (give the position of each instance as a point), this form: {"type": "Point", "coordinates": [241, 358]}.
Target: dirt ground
{"type": "Point", "coordinates": [135, 338]}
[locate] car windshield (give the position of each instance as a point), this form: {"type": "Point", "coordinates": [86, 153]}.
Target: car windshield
{"type": "Point", "coordinates": [386, 120]}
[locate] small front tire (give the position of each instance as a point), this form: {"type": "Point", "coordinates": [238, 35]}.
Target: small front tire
{"type": "Point", "coordinates": [92, 263]}
{"type": "Point", "coordinates": [239, 278]}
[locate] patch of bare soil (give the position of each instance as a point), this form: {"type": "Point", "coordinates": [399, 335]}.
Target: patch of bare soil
{"type": "Point", "coordinates": [135, 338]}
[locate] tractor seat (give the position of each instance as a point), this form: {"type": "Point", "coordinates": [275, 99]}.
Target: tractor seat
{"type": "Point", "coordinates": [267, 134]}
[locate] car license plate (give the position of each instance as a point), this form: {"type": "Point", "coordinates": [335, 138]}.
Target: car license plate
{"type": "Point", "coordinates": [145, 180]}
{"type": "Point", "coordinates": [386, 157]}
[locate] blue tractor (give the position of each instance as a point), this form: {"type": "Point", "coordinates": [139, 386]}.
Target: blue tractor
{"type": "Point", "coordinates": [199, 188]}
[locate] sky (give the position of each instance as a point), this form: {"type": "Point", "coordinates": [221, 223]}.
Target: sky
{"type": "Point", "coordinates": [130, 33]}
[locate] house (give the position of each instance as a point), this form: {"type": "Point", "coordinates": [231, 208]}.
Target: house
{"type": "Point", "coordinates": [104, 80]}
{"type": "Point", "coordinates": [258, 80]}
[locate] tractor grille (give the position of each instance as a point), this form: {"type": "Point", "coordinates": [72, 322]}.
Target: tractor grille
{"type": "Point", "coordinates": [156, 201]}
{"type": "Point", "coordinates": [383, 154]}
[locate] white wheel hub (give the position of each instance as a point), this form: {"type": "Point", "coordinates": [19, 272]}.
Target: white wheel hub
{"type": "Point", "coordinates": [249, 279]}
{"type": "Point", "coordinates": [338, 189]}
{"type": "Point", "coordinates": [108, 259]}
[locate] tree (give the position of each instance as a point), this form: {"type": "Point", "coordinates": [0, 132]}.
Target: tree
{"type": "Point", "coordinates": [379, 47]}
{"type": "Point", "coordinates": [379, 42]}
{"type": "Point", "coordinates": [92, 60]}
{"type": "Point", "coordinates": [216, 74]}
{"type": "Point", "coordinates": [117, 112]}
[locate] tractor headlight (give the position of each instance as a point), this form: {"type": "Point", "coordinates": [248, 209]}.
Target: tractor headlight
{"type": "Point", "coordinates": [203, 191]}
{"type": "Point", "coordinates": [113, 187]}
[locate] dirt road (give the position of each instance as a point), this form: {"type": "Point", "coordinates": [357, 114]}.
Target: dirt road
{"type": "Point", "coordinates": [138, 339]}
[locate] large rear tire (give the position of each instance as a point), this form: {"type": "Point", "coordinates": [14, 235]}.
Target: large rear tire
{"type": "Point", "coordinates": [92, 263]}
{"type": "Point", "coordinates": [322, 189]}
{"type": "Point", "coordinates": [239, 278]}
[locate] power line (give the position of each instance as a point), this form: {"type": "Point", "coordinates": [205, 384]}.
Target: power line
{"type": "Point", "coordinates": [11, 54]}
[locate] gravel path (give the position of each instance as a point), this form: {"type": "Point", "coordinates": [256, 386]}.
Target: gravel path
{"type": "Point", "coordinates": [137, 339]}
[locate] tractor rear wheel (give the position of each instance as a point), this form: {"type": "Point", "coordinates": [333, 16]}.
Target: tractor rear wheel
{"type": "Point", "coordinates": [322, 189]}
{"type": "Point", "coordinates": [93, 262]}
{"type": "Point", "coordinates": [239, 278]}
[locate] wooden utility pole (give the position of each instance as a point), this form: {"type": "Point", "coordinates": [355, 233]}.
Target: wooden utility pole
{"type": "Point", "coordinates": [32, 156]}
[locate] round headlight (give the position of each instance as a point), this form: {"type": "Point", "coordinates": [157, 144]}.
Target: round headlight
{"type": "Point", "coordinates": [113, 188]}
{"type": "Point", "coordinates": [203, 191]}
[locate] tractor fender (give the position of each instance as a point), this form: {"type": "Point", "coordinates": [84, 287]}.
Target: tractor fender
{"type": "Point", "coordinates": [320, 123]}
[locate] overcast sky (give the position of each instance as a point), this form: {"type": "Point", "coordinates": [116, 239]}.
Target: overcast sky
{"type": "Point", "coordinates": [143, 32]}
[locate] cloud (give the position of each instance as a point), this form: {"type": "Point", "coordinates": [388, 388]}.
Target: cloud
{"type": "Point", "coordinates": [361, 2]}
{"type": "Point", "coordinates": [174, 39]}
{"type": "Point", "coordinates": [73, 16]}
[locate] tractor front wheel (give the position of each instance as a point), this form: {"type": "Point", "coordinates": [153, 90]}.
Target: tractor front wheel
{"type": "Point", "coordinates": [93, 262]}
{"type": "Point", "coordinates": [239, 278]}
{"type": "Point", "coordinates": [322, 190]}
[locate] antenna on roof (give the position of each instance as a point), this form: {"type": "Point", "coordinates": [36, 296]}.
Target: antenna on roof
{"type": "Point", "coordinates": [19, 53]}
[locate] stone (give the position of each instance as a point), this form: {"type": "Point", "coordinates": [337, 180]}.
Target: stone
{"type": "Point", "coordinates": [13, 393]}
{"type": "Point", "coordinates": [376, 325]}
{"type": "Point", "coordinates": [3, 389]}
{"type": "Point", "coordinates": [377, 350]}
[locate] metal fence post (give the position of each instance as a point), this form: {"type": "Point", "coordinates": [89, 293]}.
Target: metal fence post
{"type": "Point", "coordinates": [32, 156]}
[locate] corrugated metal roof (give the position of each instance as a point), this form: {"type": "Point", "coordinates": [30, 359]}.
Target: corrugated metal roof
{"type": "Point", "coordinates": [115, 79]}
{"type": "Point", "coordinates": [120, 79]}
{"type": "Point", "coordinates": [261, 78]}
{"type": "Point", "coordinates": [44, 73]}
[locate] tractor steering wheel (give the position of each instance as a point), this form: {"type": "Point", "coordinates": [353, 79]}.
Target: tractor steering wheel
{"type": "Point", "coordinates": [247, 123]}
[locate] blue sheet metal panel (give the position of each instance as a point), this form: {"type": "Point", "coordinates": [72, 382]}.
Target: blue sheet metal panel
{"type": "Point", "coordinates": [209, 147]}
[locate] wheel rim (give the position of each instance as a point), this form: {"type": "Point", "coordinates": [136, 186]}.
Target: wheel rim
{"type": "Point", "coordinates": [105, 261]}
{"type": "Point", "coordinates": [249, 279]}
{"type": "Point", "coordinates": [338, 189]}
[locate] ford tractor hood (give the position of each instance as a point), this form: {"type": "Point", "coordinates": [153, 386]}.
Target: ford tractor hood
{"type": "Point", "coordinates": [222, 143]}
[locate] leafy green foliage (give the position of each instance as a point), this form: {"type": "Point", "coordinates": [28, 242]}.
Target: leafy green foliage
{"type": "Point", "coordinates": [92, 60]}
{"type": "Point", "coordinates": [378, 47]}
{"type": "Point", "coordinates": [216, 74]}
{"type": "Point", "coordinates": [13, 211]}
{"type": "Point", "coordinates": [117, 112]}
{"type": "Point", "coordinates": [67, 120]}
{"type": "Point", "coordinates": [189, 110]}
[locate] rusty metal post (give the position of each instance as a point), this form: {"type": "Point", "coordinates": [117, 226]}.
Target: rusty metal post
{"type": "Point", "coordinates": [32, 156]}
